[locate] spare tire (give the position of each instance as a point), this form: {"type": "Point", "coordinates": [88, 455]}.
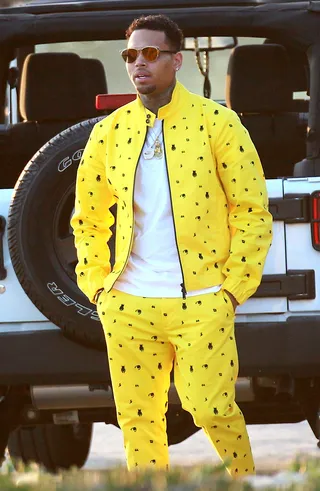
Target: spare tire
{"type": "Point", "coordinates": [52, 447]}
{"type": "Point", "coordinates": [41, 242]}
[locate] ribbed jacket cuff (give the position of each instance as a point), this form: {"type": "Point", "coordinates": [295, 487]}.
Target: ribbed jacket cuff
{"type": "Point", "coordinates": [241, 289]}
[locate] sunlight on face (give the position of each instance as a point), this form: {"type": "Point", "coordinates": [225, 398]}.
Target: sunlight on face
{"type": "Point", "coordinates": [152, 77]}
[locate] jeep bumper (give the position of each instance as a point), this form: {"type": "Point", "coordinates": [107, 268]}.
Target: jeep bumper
{"type": "Point", "coordinates": [43, 357]}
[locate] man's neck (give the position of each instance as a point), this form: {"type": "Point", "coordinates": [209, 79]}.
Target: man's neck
{"type": "Point", "coordinates": [154, 102]}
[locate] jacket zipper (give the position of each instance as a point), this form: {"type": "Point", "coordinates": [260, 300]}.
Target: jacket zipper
{"type": "Point", "coordinates": [132, 231]}
{"type": "Point", "coordinates": [183, 287]}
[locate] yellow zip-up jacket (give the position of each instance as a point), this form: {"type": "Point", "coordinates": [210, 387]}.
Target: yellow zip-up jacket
{"type": "Point", "coordinates": [218, 193]}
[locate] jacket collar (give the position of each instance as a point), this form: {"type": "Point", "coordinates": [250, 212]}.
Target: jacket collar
{"type": "Point", "coordinates": [178, 96]}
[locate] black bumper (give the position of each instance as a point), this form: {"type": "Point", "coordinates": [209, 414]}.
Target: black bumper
{"type": "Point", "coordinates": [47, 357]}
{"type": "Point", "coordinates": [271, 348]}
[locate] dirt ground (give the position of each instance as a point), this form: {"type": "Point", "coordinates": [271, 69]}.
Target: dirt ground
{"type": "Point", "coordinates": [274, 447]}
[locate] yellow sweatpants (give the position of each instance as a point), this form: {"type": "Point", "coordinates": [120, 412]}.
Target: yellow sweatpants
{"type": "Point", "coordinates": [145, 338]}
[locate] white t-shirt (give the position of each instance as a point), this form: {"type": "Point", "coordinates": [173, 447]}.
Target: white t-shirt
{"type": "Point", "coordinates": [153, 268]}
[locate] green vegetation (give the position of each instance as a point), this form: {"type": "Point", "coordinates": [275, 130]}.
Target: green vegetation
{"type": "Point", "coordinates": [305, 477]}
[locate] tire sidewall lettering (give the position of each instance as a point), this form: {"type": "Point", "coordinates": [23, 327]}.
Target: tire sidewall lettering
{"type": "Point", "coordinates": [35, 230]}
{"type": "Point", "coordinates": [67, 161]}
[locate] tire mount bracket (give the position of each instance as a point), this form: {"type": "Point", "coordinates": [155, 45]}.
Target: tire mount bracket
{"type": "Point", "coordinates": [3, 271]}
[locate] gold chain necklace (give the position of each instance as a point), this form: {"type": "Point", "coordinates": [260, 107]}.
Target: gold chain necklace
{"type": "Point", "coordinates": [155, 150]}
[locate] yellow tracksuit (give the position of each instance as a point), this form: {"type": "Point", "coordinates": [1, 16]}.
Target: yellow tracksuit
{"type": "Point", "coordinates": [223, 232]}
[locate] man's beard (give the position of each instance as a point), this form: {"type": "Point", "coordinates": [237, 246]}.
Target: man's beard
{"type": "Point", "coordinates": [146, 90]}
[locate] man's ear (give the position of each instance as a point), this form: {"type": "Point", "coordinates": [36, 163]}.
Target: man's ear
{"type": "Point", "coordinates": [177, 62]}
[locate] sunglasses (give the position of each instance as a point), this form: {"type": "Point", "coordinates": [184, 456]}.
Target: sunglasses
{"type": "Point", "coordinates": [149, 53]}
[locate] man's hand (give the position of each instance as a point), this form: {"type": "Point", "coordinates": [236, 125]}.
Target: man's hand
{"type": "Point", "coordinates": [97, 295]}
{"type": "Point", "coordinates": [233, 300]}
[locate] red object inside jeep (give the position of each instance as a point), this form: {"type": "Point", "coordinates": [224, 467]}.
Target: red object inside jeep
{"type": "Point", "coordinates": [113, 101]}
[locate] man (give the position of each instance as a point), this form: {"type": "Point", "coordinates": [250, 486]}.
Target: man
{"type": "Point", "coordinates": [193, 232]}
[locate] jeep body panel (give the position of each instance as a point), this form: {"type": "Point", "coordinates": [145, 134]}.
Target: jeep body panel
{"type": "Point", "coordinates": [15, 296]}
{"type": "Point", "coordinates": [299, 250]}
{"type": "Point", "coordinates": [15, 305]}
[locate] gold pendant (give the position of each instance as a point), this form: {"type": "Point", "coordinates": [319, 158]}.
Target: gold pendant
{"type": "Point", "coordinates": [158, 149]}
{"type": "Point", "coordinates": [148, 154]}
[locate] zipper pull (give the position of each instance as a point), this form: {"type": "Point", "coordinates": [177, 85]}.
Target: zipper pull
{"type": "Point", "coordinates": [183, 291]}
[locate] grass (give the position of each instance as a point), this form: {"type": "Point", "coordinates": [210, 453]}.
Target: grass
{"type": "Point", "coordinates": [201, 478]}
{"type": "Point", "coordinates": [303, 475]}
{"type": "Point", "coordinates": [178, 479]}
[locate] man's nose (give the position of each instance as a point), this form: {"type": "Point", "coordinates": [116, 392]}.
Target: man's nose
{"type": "Point", "coordinates": [140, 61]}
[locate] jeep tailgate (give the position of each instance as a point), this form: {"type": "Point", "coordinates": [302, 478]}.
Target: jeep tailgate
{"type": "Point", "coordinates": [275, 265]}
{"type": "Point", "coordinates": [300, 253]}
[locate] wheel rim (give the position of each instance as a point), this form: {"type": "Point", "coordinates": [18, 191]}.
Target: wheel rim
{"type": "Point", "coordinates": [80, 431]}
{"type": "Point", "coordinates": [63, 239]}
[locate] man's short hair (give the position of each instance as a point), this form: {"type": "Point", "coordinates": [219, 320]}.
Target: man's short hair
{"type": "Point", "coordinates": [160, 23]}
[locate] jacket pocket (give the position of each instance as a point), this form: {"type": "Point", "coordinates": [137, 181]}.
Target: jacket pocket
{"type": "Point", "coordinates": [228, 302]}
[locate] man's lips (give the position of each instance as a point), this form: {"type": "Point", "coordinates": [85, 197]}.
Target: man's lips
{"type": "Point", "coordinates": [141, 76]}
